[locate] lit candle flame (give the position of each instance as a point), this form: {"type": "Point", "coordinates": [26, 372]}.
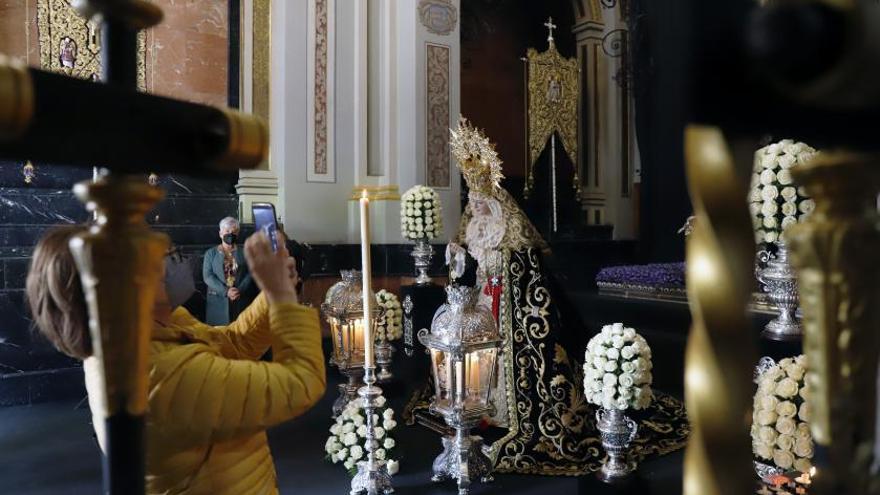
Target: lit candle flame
{"type": "Point", "coordinates": [364, 194]}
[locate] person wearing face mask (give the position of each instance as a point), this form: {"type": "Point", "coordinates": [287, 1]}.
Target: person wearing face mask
{"type": "Point", "coordinates": [226, 275]}
{"type": "Point", "coordinates": [210, 399]}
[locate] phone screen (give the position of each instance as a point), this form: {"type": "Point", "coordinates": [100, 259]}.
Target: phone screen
{"type": "Point", "coordinates": [264, 219]}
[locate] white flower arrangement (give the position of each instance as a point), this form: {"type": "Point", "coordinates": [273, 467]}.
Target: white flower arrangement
{"type": "Point", "coordinates": [347, 441]}
{"type": "Point", "coordinates": [617, 369]}
{"type": "Point", "coordinates": [390, 326]}
{"type": "Point", "coordinates": [781, 417]}
{"type": "Point", "coordinates": [421, 214]}
{"type": "Point", "coordinates": [774, 201]}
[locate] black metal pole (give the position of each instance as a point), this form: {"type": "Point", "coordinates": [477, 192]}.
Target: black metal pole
{"type": "Point", "coordinates": [125, 459]}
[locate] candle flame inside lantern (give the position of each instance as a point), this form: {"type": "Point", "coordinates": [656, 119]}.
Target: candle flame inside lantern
{"type": "Point", "coordinates": [364, 194]}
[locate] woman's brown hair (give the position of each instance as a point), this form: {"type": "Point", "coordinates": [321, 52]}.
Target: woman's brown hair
{"type": "Point", "coordinates": [55, 294]}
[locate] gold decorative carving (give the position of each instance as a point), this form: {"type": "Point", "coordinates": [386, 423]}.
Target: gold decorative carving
{"type": "Point", "coordinates": [437, 115]}
{"type": "Point", "coordinates": [376, 193]}
{"type": "Point", "coordinates": [834, 251]}
{"type": "Point", "coordinates": [552, 106]}
{"type": "Point", "coordinates": [120, 261]}
{"type": "Point", "coordinates": [719, 357]}
{"type": "Point", "coordinates": [321, 89]}
{"type": "Point", "coordinates": [71, 45]}
{"type": "Point", "coordinates": [261, 49]}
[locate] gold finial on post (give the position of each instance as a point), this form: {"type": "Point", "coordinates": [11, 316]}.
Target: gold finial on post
{"type": "Point", "coordinates": [719, 358]}
{"type": "Point", "coordinates": [120, 262]}
{"type": "Point", "coordinates": [833, 251]}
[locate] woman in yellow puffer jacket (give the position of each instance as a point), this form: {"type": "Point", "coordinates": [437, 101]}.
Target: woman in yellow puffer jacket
{"type": "Point", "coordinates": [210, 399]}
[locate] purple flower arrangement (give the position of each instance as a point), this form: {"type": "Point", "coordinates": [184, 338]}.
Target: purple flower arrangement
{"type": "Point", "coordinates": [667, 275]}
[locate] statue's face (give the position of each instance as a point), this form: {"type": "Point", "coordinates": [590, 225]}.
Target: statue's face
{"type": "Point", "coordinates": [479, 205]}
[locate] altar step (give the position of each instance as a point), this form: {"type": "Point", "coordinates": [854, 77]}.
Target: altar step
{"type": "Point", "coordinates": [30, 368]}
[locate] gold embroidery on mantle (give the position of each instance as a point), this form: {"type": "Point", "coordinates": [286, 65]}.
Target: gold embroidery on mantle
{"type": "Point", "coordinates": [552, 106]}
{"type": "Point", "coordinates": [71, 45]}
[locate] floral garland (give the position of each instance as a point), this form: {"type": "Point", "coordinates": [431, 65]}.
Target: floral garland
{"type": "Point", "coordinates": [617, 369]}
{"type": "Point", "coordinates": [774, 201]}
{"type": "Point", "coordinates": [781, 418]}
{"type": "Point", "coordinates": [347, 440]}
{"type": "Point", "coordinates": [390, 326]}
{"type": "Point", "coordinates": [421, 214]}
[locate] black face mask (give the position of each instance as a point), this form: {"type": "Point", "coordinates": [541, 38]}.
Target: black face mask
{"type": "Point", "coordinates": [229, 239]}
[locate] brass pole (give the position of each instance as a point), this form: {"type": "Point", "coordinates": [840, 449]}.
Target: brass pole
{"type": "Point", "coordinates": [834, 251]}
{"type": "Point", "coordinates": [719, 356]}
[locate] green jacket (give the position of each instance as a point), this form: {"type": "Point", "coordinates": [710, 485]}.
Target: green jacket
{"type": "Point", "coordinates": [217, 304]}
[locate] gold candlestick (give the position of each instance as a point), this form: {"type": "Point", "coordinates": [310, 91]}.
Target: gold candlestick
{"type": "Point", "coordinates": [834, 251]}
{"type": "Point", "coordinates": [719, 360]}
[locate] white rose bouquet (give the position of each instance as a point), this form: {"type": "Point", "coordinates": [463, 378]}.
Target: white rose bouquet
{"type": "Point", "coordinates": [617, 369]}
{"type": "Point", "coordinates": [780, 421]}
{"type": "Point", "coordinates": [421, 215]}
{"type": "Point", "coordinates": [347, 440]}
{"type": "Point", "coordinates": [774, 201]}
{"type": "Point", "coordinates": [390, 326]}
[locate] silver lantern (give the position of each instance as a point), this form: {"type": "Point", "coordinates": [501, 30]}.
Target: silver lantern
{"type": "Point", "coordinates": [780, 284]}
{"type": "Point", "coordinates": [344, 311]}
{"type": "Point", "coordinates": [463, 343]}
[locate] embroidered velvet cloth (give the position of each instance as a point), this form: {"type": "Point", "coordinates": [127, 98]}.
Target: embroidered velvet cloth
{"type": "Point", "coordinates": [550, 427]}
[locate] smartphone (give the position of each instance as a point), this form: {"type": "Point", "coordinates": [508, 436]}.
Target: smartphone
{"type": "Point", "coordinates": [265, 220]}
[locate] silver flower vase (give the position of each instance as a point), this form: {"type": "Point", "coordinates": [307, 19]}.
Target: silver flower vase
{"type": "Point", "coordinates": [422, 254]}
{"type": "Point", "coordinates": [617, 431]}
{"type": "Point", "coordinates": [384, 357]}
{"type": "Point", "coordinates": [780, 284]}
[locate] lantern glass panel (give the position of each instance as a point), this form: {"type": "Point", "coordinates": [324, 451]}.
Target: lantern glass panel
{"type": "Point", "coordinates": [479, 374]}
{"type": "Point", "coordinates": [441, 374]}
{"type": "Point", "coordinates": [343, 309]}
{"type": "Point", "coordinates": [348, 340]}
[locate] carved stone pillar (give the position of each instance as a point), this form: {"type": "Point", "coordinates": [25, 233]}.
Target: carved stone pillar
{"type": "Point", "coordinates": [835, 251]}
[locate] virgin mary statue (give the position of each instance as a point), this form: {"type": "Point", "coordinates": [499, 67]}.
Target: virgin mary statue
{"type": "Point", "coordinates": [546, 425]}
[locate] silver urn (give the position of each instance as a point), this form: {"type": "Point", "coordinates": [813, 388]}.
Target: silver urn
{"type": "Point", "coordinates": [617, 432]}
{"type": "Point", "coordinates": [422, 254]}
{"type": "Point", "coordinates": [780, 284]}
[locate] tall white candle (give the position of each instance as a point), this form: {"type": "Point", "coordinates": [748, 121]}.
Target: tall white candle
{"type": "Point", "coordinates": [365, 266]}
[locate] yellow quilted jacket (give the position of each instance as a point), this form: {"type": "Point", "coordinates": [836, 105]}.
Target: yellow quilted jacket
{"type": "Point", "coordinates": [210, 400]}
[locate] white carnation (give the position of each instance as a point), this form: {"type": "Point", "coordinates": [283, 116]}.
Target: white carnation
{"type": "Point", "coordinates": [807, 206]}
{"type": "Point", "coordinates": [356, 452]}
{"type": "Point", "coordinates": [784, 177]}
{"type": "Point", "coordinates": [755, 195]}
{"type": "Point", "coordinates": [769, 208]}
{"type": "Point", "coordinates": [770, 236]}
{"type": "Point", "coordinates": [769, 193]}
{"type": "Point", "coordinates": [768, 177]}
{"type": "Point", "coordinates": [769, 222]}
{"type": "Point", "coordinates": [786, 161]}
{"type": "Point", "coordinates": [768, 160]}
{"type": "Point", "coordinates": [789, 193]}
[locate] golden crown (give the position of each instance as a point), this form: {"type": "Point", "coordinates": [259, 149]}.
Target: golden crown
{"type": "Point", "coordinates": [476, 157]}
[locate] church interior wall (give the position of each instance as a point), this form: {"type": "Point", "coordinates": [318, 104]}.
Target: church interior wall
{"type": "Point", "coordinates": [185, 58]}
{"type": "Point", "coordinates": [315, 202]}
